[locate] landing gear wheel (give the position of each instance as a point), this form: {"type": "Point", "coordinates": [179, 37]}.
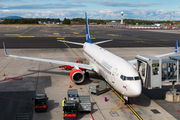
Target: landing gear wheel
{"type": "Point", "coordinates": [87, 74]}
{"type": "Point", "coordinates": [126, 100]}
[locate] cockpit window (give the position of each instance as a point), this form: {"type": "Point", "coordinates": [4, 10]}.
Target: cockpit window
{"type": "Point", "coordinates": [136, 78]}
{"type": "Point", "coordinates": [129, 78]}
{"type": "Point", "coordinates": [123, 77]}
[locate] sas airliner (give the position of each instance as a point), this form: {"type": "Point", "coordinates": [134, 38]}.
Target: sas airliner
{"type": "Point", "coordinates": [119, 73]}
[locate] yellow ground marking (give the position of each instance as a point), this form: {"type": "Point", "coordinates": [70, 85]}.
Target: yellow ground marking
{"type": "Point", "coordinates": [164, 40]}
{"type": "Point", "coordinates": [7, 29]}
{"type": "Point", "coordinates": [55, 33]}
{"type": "Point", "coordinates": [103, 31]}
{"type": "Point", "coordinates": [68, 34]}
{"type": "Point", "coordinates": [26, 31]}
{"type": "Point", "coordinates": [60, 38]}
{"type": "Point", "coordinates": [81, 36]}
{"type": "Point", "coordinates": [118, 107]}
{"type": "Point", "coordinates": [63, 36]}
{"type": "Point", "coordinates": [14, 29]}
{"type": "Point", "coordinates": [141, 41]}
{"type": "Point", "coordinates": [97, 31]}
{"type": "Point", "coordinates": [26, 36]}
{"type": "Point", "coordinates": [127, 104]}
{"type": "Point", "coordinates": [92, 38]}
{"type": "Point", "coordinates": [17, 35]}
{"type": "Point", "coordinates": [74, 52]}
{"type": "Point", "coordinates": [12, 34]}
{"type": "Point", "coordinates": [112, 35]}
{"type": "Point", "coordinates": [75, 33]}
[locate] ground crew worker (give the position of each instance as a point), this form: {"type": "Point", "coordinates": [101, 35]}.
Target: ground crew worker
{"type": "Point", "coordinates": [63, 104]}
{"type": "Point", "coordinates": [169, 70]}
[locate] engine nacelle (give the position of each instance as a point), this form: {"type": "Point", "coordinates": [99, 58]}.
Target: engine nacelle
{"type": "Point", "coordinates": [77, 75]}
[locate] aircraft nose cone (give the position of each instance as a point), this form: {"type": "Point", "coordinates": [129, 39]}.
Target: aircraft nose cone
{"type": "Point", "coordinates": [135, 89]}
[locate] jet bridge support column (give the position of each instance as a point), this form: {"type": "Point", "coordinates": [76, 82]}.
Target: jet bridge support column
{"type": "Point", "coordinates": [177, 71]}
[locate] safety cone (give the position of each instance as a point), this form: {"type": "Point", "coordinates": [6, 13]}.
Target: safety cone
{"type": "Point", "coordinates": [70, 85]}
{"type": "Point", "coordinates": [3, 73]}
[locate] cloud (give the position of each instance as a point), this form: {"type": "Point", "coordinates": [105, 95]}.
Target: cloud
{"type": "Point", "coordinates": [39, 6]}
{"type": "Point", "coordinates": [83, 1]}
{"type": "Point", "coordinates": [101, 14]}
{"type": "Point", "coordinates": [127, 4]}
{"type": "Point", "coordinates": [11, 1]}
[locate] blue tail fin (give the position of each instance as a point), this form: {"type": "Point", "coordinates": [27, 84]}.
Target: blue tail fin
{"type": "Point", "coordinates": [87, 31]}
{"type": "Point", "coordinates": [176, 47]}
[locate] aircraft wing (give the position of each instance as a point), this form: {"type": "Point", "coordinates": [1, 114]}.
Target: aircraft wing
{"type": "Point", "coordinates": [162, 55]}
{"type": "Point", "coordinates": [79, 65]}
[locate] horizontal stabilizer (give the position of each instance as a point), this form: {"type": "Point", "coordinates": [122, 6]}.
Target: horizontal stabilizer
{"type": "Point", "coordinates": [103, 41]}
{"type": "Point", "coordinates": [168, 54]}
{"type": "Point", "coordinates": [71, 42]}
{"type": "Point", "coordinates": [162, 55]}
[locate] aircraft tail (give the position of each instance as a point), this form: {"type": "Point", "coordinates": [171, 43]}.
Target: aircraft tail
{"type": "Point", "coordinates": [176, 47]}
{"type": "Point", "coordinates": [88, 40]}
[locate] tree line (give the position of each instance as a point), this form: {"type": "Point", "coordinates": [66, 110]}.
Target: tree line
{"type": "Point", "coordinates": [81, 21]}
{"type": "Point", "coordinates": [126, 21]}
{"type": "Point", "coordinates": [28, 20]}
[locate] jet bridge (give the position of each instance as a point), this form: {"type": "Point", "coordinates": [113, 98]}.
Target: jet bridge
{"type": "Point", "coordinates": [150, 71]}
{"type": "Point", "coordinates": [154, 71]}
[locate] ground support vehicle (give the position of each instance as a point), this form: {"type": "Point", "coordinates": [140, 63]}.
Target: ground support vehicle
{"type": "Point", "coordinates": [70, 109]}
{"type": "Point", "coordinates": [84, 103]}
{"type": "Point", "coordinates": [98, 89]}
{"type": "Point", "coordinates": [76, 103]}
{"type": "Point", "coordinates": [40, 102]}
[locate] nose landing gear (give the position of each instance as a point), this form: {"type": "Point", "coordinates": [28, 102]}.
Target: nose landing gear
{"type": "Point", "coordinates": [126, 100]}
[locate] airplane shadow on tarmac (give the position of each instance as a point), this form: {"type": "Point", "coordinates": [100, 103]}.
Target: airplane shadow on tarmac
{"type": "Point", "coordinates": [155, 94]}
{"type": "Point", "coordinates": [18, 94]}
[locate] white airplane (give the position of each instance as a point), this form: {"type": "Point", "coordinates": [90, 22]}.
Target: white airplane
{"type": "Point", "coordinates": [119, 73]}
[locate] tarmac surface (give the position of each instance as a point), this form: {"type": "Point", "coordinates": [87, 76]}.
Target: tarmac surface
{"type": "Point", "coordinates": [30, 77]}
{"type": "Point", "coordinates": [46, 36]}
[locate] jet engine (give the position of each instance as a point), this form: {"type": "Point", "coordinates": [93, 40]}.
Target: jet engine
{"type": "Point", "coordinates": [77, 75]}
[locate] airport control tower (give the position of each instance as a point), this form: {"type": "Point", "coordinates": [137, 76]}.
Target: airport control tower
{"type": "Point", "coordinates": [122, 17]}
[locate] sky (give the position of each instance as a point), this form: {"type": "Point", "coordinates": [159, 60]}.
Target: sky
{"type": "Point", "coordinates": [96, 9]}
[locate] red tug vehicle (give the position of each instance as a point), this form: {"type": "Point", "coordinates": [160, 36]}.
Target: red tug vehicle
{"type": "Point", "coordinates": [66, 67]}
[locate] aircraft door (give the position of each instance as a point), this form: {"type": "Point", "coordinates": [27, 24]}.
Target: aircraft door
{"type": "Point", "coordinates": [113, 75]}
{"type": "Point", "coordinates": [142, 70]}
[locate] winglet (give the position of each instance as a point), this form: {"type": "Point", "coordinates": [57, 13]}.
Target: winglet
{"type": "Point", "coordinates": [5, 49]}
{"type": "Point", "coordinates": [88, 40]}
{"type": "Point", "coordinates": [176, 47]}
